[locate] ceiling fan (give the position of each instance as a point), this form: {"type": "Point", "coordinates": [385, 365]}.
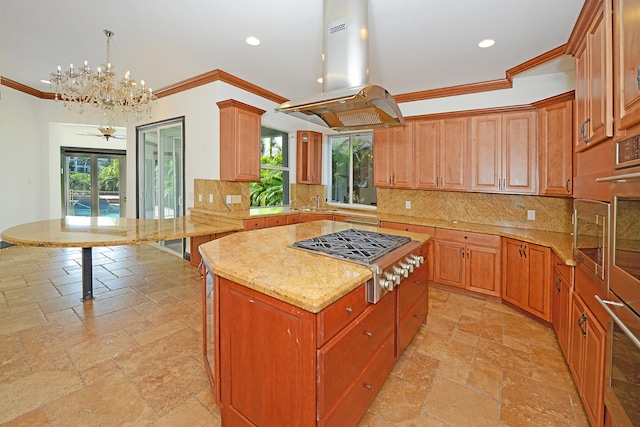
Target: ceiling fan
{"type": "Point", "coordinates": [106, 133]}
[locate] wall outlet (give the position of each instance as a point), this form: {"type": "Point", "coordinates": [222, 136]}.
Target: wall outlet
{"type": "Point", "coordinates": [407, 204]}
{"type": "Point", "coordinates": [210, 198]}
{"type": "Point", "coordinates": [531, 215]}
{"type": "Point", "coordinates": [229, 199]}
{"type": "Point", "coordinates": [199, 197]}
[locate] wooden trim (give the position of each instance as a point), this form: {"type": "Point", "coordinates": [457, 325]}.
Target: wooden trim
{"type": "Point", "coordinates": [26, 89]}
{"type": "Point", "coordinates": [587, 13]}
{"type": "Point", "coordinates": [538, 60]}
{"type": "Point", "coordinates": [218, 75]}
{"type": "Point", "coordinates": [486, 86]}
{"type": "Point", "coordinates": [241, 105]}
{"type": "Point", "coordinates": [467, 113]}
{"type": "Point", "coordinates": [563, 97]}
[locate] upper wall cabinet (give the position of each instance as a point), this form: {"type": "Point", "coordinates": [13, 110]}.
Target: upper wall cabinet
{"type": "Point", "coordinates": [393, 158]}
{"type": "Point", "coordinates": [555, 144]}
{"type": "Point", "coordinates": [627, 55]}
{"type": "Point", "coordinates": [441, 160]}
{"type": "Point", "coordinates": [239, 141]}
{"type": "Point", "coordinates": [504, 153]}
{"type": "Point", "coordinates": [594, 81]}
{"type": "Point", "coordinates": [308, 157]}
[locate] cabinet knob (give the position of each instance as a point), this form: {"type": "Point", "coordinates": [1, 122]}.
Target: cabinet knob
{"type": "Point", "coordinates": [417, 316]}
{"type": "Point", "coordinates": [349, 310]}
{"type": "Point", "coordinates": [368, 386]}
{"type": "Point", "coordinates": [369, 333]}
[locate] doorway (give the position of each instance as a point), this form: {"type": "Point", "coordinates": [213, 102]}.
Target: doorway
{"type": "Point", "coordinates": [161, 174]}
{"type": "Point", "coordinates": [91, 182]}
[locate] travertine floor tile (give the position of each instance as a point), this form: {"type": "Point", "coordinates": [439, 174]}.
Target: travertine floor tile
{"type": "Point", "coordinates": [191, 413]}
{"type": "Point", "coordinates": [399, 401]}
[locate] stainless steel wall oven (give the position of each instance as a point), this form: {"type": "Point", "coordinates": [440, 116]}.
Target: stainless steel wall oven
{"type": "Point", "coordinates": [622, 384]}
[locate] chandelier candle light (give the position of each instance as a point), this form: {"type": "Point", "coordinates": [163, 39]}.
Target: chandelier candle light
{"type": "Point", "coordinates": [102, 90]}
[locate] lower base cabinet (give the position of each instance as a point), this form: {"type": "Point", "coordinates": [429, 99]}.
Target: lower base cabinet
{"type": "Point", "coordinates": [561, 290]}
{"type": "Point", "coordinates": [525, 277]}
{"type": "Point", "coordinates": [586, 358]}
{"type": "Point", "coordinates": [281, 365]}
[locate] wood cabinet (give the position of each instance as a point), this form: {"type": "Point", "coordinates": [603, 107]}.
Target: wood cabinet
{"type": "Point", "coordinates": [504, 152]}
{"type": "Point", "coordinates": [555, 143]}
{"type": "Point", "coordinates": [468, 261]}
{"type": "Point", "coordinates": [426, 250]}
{"type": "Point", "coordinates": [586, 359]}
{"type": "Point", "coordinates": [525, 277]}
{"type": "Point", "coordinates": [441, 159]}
{"type": "Point", "coordinates": [308, 157]}
{"type": "Point", "coordinates": [412, 308]}
{"type": "Point", "coordinates": [255, 223]}
{"type": "Point", "coordinates": [281, 365]}
{"type": "Point", "coordinates": [196, 241]}
{"type": "Point", "coordinates": [594, 80]}
{"type": "Point", "coordinates": [393, 158]}
{"type": "Point", "coordinates": [239, 141]}
{"type": "Point", "coordinates": [308, 217]}
{"type": "Point", "coordinates": [627, 62]}
{"type": "Point", "coordinates": [561, 291]}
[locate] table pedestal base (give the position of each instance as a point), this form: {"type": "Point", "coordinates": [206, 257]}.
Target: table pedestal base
{"type": "Point", "coordinates": [87, 275]}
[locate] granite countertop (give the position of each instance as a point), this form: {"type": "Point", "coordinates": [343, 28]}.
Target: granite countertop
{"type": "Point", "coordinates": [560, 243]}
{"type": "Point", "coordinates": [304, 279]}
{"type": "Point", "coordinates": [74, 231]}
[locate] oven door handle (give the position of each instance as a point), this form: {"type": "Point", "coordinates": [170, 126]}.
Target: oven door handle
{"type": "Point", "coordinates": [605, 304]}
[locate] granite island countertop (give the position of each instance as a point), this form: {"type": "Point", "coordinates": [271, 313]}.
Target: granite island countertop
{"type": "Point", "coordinates": [263, 261]}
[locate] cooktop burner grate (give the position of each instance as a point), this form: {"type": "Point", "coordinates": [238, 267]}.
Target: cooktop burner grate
{"type": "Point", "coordinates": [354, 244]}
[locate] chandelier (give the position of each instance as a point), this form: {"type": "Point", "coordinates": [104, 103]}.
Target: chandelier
{"type": "Point", "coordinates": [102, 90]}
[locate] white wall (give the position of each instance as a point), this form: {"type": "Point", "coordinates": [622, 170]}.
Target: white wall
{"type": "Point", "coordinates": [32, 131]}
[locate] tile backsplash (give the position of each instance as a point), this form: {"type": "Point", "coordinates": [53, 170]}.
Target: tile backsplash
{"type": "Point", "coordinates": [507, 210]}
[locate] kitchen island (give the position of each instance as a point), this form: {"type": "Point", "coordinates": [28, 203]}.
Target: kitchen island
{"type": "Point", "coordinates": [290, 338]}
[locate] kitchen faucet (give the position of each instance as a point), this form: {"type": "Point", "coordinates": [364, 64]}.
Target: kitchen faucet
{"type": "Point", "coordinates": [317, 199]}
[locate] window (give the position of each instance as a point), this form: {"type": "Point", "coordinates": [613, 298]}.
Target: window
{"type": "Point", "coordinates": [352, 169]}
{"type": "Point", "coordinates": [273, 187]}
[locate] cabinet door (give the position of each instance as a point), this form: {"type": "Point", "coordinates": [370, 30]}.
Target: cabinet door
{"type": "Point", "coordinates": [426, 136]}
{"type": "Point", "coordinates": [449, 260]}
{"type": "Point", "coordinates": [627, 45]}
{"type": "Point", "coordinates": [519, 152]}
{"type": "Point", "coordinates": [593, 380]}
{"type": "Point", "coordinates": [560, 310]}
{"type": "Point", "coordinates": [315, 160]}
{"type": "Point", "coordinates": [581, 133]}
{"type": "Point", "coordinates": [483, 270]}
{"type": "Point", "coordinates": [576, 340]}
{"type": "Point", "coordinates": [382, 158]}
{"type": "Point", "coordinates": [513, 286]}
{"type": "Point", "coordinates": [556, 149]}
{"type": "Point", "coordinates": [453, 154]}
{"type": "Point", "coordinates": [402, 146]}
{"type": "Point", "coordinates": [486, 141]}
{"type": "Point", "coordinates": [538, 297]}
{"type": "Point", "coordinates": [303, 148]}
{"type": "Point", "coordinates": [600, 46]}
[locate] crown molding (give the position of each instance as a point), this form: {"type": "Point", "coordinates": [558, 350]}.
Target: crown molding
{"type": "Point", "coordinates": [219, 75]}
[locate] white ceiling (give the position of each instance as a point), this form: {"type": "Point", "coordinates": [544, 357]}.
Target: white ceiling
{"type": "Point", "coordinates": [414, 45]}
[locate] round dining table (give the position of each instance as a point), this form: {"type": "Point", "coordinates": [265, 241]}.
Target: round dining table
{"type": "Point", "coordinates": [89, 232]}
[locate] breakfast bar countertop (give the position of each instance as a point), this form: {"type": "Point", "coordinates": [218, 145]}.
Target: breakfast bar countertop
{"type": "Point", "coordinates": [263, 261]}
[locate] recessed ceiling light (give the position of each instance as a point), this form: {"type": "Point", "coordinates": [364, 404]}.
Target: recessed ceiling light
{"type": "Point", "coordinates": [486, 43]}
{"type": "Point", "coordinates": [253, 41]}
{"type": "Point", "coordinates": [320, 80]}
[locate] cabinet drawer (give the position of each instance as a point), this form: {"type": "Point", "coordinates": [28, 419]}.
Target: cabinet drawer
{"type": "Point", "coordinates": [254, 224]}
{"type": "Point", "coordinates": [293, 219]}
{"type": "Point", "coordinates": [336, 316]}
{"type": "Point", "coordinates": [467, 237]}
{"type": "Point", "coordinates": [409, 324]}
{"type": "Point", "coordinates": [409, 227]}
{"type": "Point", "coordinates": [565, 270]}
{"type": "Point", "coordinates": [362, 390]}
{"type": "Point", "coordinates": [274, 221]}
{"type": "Point", "coordinates": [409, 291]}
{"type": "Point", "coordinates": [345, 354]}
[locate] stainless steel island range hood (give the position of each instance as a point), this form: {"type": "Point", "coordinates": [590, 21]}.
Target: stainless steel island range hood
{"type": "Point", "coordinates": [347, 101]}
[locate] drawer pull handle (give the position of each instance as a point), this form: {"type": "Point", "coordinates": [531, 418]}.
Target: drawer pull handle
{"type": "Point", "coordinates": [417, 316]}
{"type": "Point", "coordinates": [349, 310]}
{"type": "Point", "coordinates": [369, 334]}
{"type": "Point", "coordinates": [368, 386]}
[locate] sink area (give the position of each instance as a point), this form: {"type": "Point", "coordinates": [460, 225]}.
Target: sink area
{"type": "Point", "coordinates": [312, 209]}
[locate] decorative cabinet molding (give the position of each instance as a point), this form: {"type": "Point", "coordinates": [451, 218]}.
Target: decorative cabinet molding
{"type": "Point", "coordinates": [239, 141]}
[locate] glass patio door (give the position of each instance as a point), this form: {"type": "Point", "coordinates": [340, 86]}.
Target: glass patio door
{"type": "Point", "coordinates": [91, 183]}
{"type": "Point", "coordinates": [161, 173]}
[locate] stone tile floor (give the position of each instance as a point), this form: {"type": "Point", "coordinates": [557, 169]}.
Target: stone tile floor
{"type": "Point", "coordinates": [133, 355]}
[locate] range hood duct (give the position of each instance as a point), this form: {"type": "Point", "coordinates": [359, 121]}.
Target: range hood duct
{"type": "Point", "coordinates": [348, 101]}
